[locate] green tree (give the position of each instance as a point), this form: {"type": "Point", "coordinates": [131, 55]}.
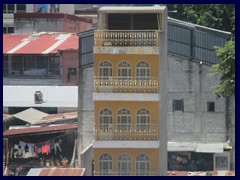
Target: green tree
{"type": "Point", "coordinates": [226, 68]}
{"type": "Point", "coordinates": [217, 16]}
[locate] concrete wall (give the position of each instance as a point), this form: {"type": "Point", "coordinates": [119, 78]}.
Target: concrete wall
{"type": "Point", "coordinates": [38, 24]}
{"type": "Point", "coordinates": [190, 81]}
{"type": "Point", "coordinates": [53, 96]}
{"type": "Point", "coordinates": [86, 107]}
{"type": "Point", "coordinates": [31, 24]}
{"type": "Point", "coordinates": [86, 158]}
{"type": "Point", "coordinates": [69, 60]}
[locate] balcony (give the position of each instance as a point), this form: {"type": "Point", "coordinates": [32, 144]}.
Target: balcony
{"type": "Point", "coordinates": [126, 38]}
{"type": "Point", "coordinates": [126, 132]}
{"type": "Point", "coordinates": [125, 85]}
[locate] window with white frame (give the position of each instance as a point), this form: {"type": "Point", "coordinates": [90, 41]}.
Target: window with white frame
{"type": "Point", "coordinates": [142, 70]}
{"type": "Point", "coordinates": [142, 165]}
{"type": "Point", "coordinates": [143, 119]}
{"type": "Point", "coordinates": [124, 70]}
{"type": "Point", "coordinates": [124, 119]}
{"type": "Point", "coordinates": [105, 164]}
{"type": "Point", "coordinates": [106, 117]}
{"type": "Point", "coordinates": [105, 70]}
{"type": "Point", "coordinates": [124, 165]}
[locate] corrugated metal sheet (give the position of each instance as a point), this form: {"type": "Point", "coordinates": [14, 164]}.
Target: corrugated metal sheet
{"type": "Point", "coordinates": [56, 172]}
{"type": "Point", "coordinates": [58, 117]}
{"type": "Point", "coordinates": [35, 130]}
{"type": "Point", "coordinates": [30, 115]}
{"type": "Point", "coordinates": [39, 43]}
{"type": "Point", "coordinates": [195, 42]}
{"type": "Point", "coordinates": [86, 43]}
{"type": "Point", "coordinates": [34, 172]}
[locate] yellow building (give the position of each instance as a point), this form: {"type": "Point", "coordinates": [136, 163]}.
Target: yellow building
{"type": "Point", "coordinates": [130, 91]}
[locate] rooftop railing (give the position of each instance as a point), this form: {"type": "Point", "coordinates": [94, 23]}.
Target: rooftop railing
{"type": "Point", "coordinates": [126, 38]}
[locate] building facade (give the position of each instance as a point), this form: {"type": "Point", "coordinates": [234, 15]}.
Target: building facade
{"type": "Point", "coordinates": [197, 121]}
{"type": "Point", "coordinates": [130, 91]}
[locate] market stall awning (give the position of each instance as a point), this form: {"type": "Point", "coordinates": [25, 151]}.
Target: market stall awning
{"type": "Point", "coordinates": [181, 146]}
{"type": "Point", "coordinates": [39, 43]}
{"type": "Point", "coordinates": [56, 172]}
{"type": "Point", "coordinates": [197, 147]}
{"type": "Point", "coordinates": [210, 148]}
{"type": "Point", "coordinates": [39, 129]}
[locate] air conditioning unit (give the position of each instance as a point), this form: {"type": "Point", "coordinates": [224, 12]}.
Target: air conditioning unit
{"type": "Point", "coordinates": [38, 97]}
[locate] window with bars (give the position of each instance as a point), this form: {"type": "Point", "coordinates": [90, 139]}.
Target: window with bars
{"type": "Point", "coordinates": [143, 71]}
{"type": "Point", "coordinates": [143, 119]}
{"type": "Point", "coordinates": [105, 164]}
{"type": "Point", "coordinates": [105, 70]}
{"type": "Point", "coordinates": [124, 165]}
{"type": "Point", "coordinates": [124, 70]}
{"type": "Point", "coordinates": [106, 118]}
{"type": "Point", "coordinates": [124, 120]}
{"type": "Point", "coordinates": [142, 165]}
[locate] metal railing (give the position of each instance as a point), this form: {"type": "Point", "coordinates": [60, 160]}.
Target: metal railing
{"type": "Point", "coordinates": [126, 38]}
{"type": "Point", "coordinates": [32, 76]}
{"type": "Point", "coordinates": [142, 173]}
{"type": "Point", "coordinates": [126, 132]}
{"type": "Point", "coordinates": [125, 85]}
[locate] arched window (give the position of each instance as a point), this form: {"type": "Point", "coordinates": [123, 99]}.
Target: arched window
{"type": "Point", "coordinates": [105, 164]}
{"type": "Point", "coordinates": [106, 118]}
{"type": "Point", "coordinates": [143, 119]}
{"type": "Point", "coordinates": [124, 70]}
{"type": "Point", "coordinates": [124, 165]}
{"type": "Point", "coordinates": [142, 165]}
{"type": "Point", "coordinates": [142, 70]}
{"type": "Point", "coordinates": [124, 119]}
{"type": "Point", "coordinates": [105, 69]}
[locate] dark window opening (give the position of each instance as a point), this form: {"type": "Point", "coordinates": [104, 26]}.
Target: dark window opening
{"type": "Point", "coordinates": [72, 71]}
{"type": "Point", "coordinates": [147, 21]}
{"type": "Point", "coordinates": [4, 8]}
{"type": "Point", "coordinates": [178, 105]}
{"type": "Point", "coordinates": [21, 7]}
{"type": "Point", "coordinates": [4, 30]}
{"type": "Point", "coordinates": [10, 30]}
{"type": "Point", "coordinates": [10, 8]}
{"type": "Point", "coordinates": [211, 106]}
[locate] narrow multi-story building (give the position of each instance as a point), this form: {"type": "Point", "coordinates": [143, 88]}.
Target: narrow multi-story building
{"type": "Point", "coordinates": [130, 91]}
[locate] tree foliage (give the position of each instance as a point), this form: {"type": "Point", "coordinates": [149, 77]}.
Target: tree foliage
{"type": "Point", "coordinates": [226, 68]}
{"type": "Point", "coordinates": [217, 16]}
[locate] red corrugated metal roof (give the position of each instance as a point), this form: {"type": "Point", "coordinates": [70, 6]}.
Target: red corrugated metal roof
{"type": "Point", "coordinates": [39, 43]}
{"type": "Point", "coordinates": [34, 130]}
{"type": "Point", "coordinates": [62, 172]}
